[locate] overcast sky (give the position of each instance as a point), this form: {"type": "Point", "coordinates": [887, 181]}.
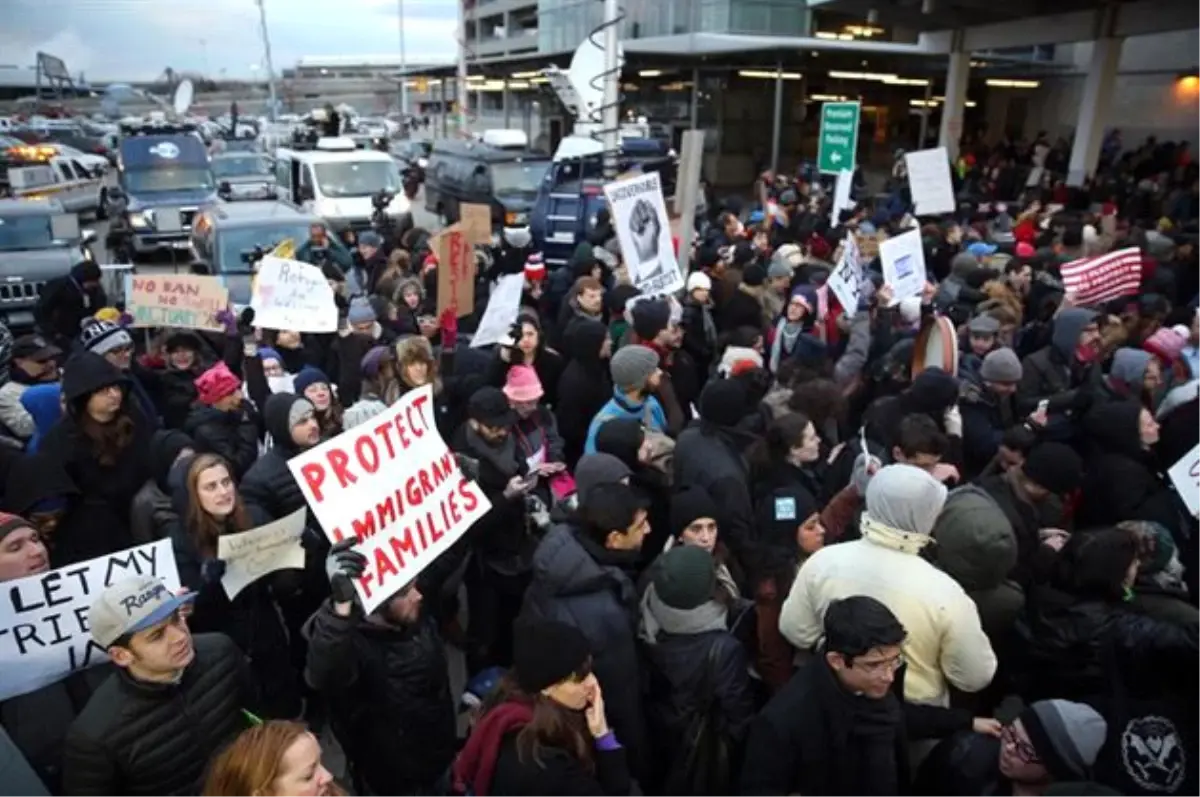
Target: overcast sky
{"type": "Point", "coordinates": [138, 39]}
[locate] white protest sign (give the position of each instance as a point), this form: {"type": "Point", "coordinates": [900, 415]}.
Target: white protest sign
{"type": "Point", "coordinates": [394, 485]}
{"type": "Point", "coordinates": [929, 181]}
{"type": "Point", "coordinates": [846, 280]}
{"type": "Point", "coordinates": [292, 295]}
{"type": "Point", "coordinates": [903, 261]}
{"type": "Point", "coordinates": [841, 196]}
{"type": "Point", "coordinates": [44, 634]}
{"type": "Point", "coordinates": [503, 305]}
{"type": "Point", "coordinates": [640, 217]}
{"type": "Point", "coordinates": [250, 555]}
{"type": "Point", "coordinates": [1185, 475]}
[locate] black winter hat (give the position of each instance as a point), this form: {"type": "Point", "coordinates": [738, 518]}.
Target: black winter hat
{"type": "Point", "coordinates": [743, 253]}
{"type": "Point", "coordinates": [689, 506]}
{"type": "Point", "coordinates": [707, 256]}
{"type": "Point", "coordinates": [650, 318]}
{"type": "Point", "coordinates": [1055, 467]}
{"type": "Point", "coordinates": [85, 373]}
{"type": "Point", "coordinates": [622, 437]}
{"type": "Point", "coordinates": [932, 391]}
{"type": "Point", "coordinates": [685, 577]}
{"type": "Point", "coordinates": [754, 275]}
{"type": "Point", "coordinates": [489, 406]}
{"type": "Point", "coordinates": [723, 402]}
{"type": "Point", "coordinates": [546, 652]}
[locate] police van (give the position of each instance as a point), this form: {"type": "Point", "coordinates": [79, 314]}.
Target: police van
{"type": "Point", "coordinates": [164, 176]}
{"type": "Point", "coordinates": [342, 184]}
{"type": "Point", "coordinates": [41, 172]}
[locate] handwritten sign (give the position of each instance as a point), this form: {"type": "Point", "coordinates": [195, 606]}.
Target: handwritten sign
{"type": "Point", "coordinates": [929, 181]}
{"type": "Point", "coordinates": [250, 555]}
{"type": "Point", "coordinates": [394, 485]}
{"type": "Point", "coordinates": [1185, 475]}
{"type": "Point", "coordinates": [175, 300]}
{"type": "Point", "coordinates": [291, 295]}
{"type": "Point", "coordinates": [456, 272]}
{"type": "Point", "coordinates": [476, 223]}
{"type": "Point", "coordinates": [44, 634]}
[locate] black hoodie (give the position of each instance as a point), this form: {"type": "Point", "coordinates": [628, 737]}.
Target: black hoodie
{"type": "Point", "coordinates": [268, 487]}
{"type": "Point", "coordinates": [584, 387]}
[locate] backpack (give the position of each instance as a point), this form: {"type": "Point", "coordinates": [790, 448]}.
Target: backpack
{"type": "Point", "coordinates": [703, 764]}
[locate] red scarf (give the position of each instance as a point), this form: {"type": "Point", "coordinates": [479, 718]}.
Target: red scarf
{"type": "Point", "coordinates": [476, 764]}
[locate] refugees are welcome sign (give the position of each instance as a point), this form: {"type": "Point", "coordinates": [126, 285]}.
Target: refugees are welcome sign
{"type": "Point", "coordinates": [393, 484]}
{"type": "Point", "coordinates": [44, 634]}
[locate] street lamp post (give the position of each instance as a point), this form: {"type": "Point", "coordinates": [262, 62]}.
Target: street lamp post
{"type": "Point", "coordinates": [403, 67]}
{"type": "Point", "coordinates": [262, 18]}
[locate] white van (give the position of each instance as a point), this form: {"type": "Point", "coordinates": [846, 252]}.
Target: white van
{"type": "Point", "coordinates": [338, 182]}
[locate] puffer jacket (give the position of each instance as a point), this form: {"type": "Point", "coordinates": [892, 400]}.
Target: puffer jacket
{"type": "Point", "coordinates": [268, 487]}
{"type": "Point", "coordinates": [711, 458]}
{"type": "Point", "coordinates": [985, 418]}
{"type": "Point", "coordinates": [389, 694]}
{"type": "Point", "coordinates": [232, 435]}
{"type": "Point", "coordinates": [576, 581]}
{"type": "Point", "coordinates": [142, 738]}
{"type": "Point", "coordinates": [153, 508]}
{"type": "Point", "coordinates": [172, 390]}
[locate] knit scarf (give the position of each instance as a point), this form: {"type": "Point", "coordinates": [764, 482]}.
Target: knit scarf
{"type": "Point", "coordinates": [890, 537]}
{"type": "Point", "coordinates": [473, 769]}
{"type": "Point", "coordinates": [864, 738]}
{"type": "Point", "coordinates": [787, 334]}
{"type": "Point", "coordinates": [658, 616]}
{"type": "Point", "coordinates": [503, 457]}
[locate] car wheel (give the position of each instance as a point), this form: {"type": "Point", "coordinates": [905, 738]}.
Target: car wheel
{"type": "Point", "coordinates": [102, 205]}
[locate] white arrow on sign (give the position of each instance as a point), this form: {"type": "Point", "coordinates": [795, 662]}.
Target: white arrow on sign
{"type": "Point", "coordinates": [836, 157]}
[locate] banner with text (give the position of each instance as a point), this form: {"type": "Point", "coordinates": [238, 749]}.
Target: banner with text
{"type": "Point", "coordinates": [394, 485]}
{"type": "Point", "coordinates": [291, 295]}
{"type": "Point", "coordinates": [1185, 476]}
{"type": "Point", "coordinates": [639, 215]}
{"type": "Point", "coordinates": [188, 301]}
{"type": "Point", "coordinates": [44, 634]}
{"type": "Point", "coordinates": [250, 555]}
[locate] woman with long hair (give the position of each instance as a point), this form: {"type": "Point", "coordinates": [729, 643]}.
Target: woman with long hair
{"type": "Point", "coordinates": [544, 730]}
{"type": "Point", "coordinates": [312, 383]}
{"type": "Point", "coordinates": [528, 347]}
{"type": "Point", "coordinates": [208, 506]}
{"type": "Point", "coordinates": [274, 758]}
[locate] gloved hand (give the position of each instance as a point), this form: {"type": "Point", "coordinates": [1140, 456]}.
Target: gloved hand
{"type": "Point", "coordinates": [126, 320]}
{"type": "Point", "coordinates": [449, 326]}
{"type": "Point", "coordinates": [343, 565]}
{"type": "Point", "coordinates": [212, 570]}
{"type": "Point", "coordinates": [227, 319]}
{"type": "Point", "coordinates": [953, 421]}
{"type": "Point", "coordinates": [246, 321]}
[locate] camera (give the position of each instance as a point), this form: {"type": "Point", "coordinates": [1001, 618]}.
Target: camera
{"type": "Point", "coordinates": [381, 200]}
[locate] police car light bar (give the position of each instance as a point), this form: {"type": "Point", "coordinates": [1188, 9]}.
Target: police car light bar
{"type": "Point", "coordinates": [31, 153]}
{"type": "Point", "coordinates": [336, 144]}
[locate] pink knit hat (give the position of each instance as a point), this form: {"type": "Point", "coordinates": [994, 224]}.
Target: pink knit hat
{"type": "Point", "coordinates": [523, 384]}
{"type": "Point", "coordinates": [216, 383]}
{"type": "Point", "coordinates": [1166, 344]}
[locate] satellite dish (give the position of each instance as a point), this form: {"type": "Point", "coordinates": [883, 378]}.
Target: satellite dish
{"type": "Point", "coordinates": [183, 97]}
{"type": "Point", "coordinates": [586, 77]}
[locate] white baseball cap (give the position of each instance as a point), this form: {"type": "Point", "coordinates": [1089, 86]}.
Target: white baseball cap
{"type": "Point", "coordinates": [698, 279]}
{"type": "Point", "coordinates": [130, 606]}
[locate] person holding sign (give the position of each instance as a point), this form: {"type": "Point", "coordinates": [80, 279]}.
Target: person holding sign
{"type": "Point", "coordinates": [222, 422]}
{"type": "Point", "coordinates": [386, 681]}
{"type": "Point", "coordinates": [175, 700]}
{"type": "Point", "coordinates": [208, 508]}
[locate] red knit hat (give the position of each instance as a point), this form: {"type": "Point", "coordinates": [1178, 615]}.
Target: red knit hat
{"type": "Point", "coordinates": [216, 383]}
{"type": "Point", "coordinates": [535, 267]}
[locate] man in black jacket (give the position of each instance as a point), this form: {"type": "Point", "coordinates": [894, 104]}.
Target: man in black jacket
{"type": "Point", "coordinates": [173, 702]}
{"type": "Point", "coordinates": [840, 725]}
{"type": "Point", "coordinates": [386, 680]}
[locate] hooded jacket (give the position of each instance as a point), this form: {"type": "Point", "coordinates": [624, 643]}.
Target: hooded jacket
{"type": "Point", "coordinates": [43, 403]}
{"type": "Point", "coordinates": [1055, 375]}
{"type": "Point", "coordinates": [153, 509]}
{"type": "Point", "coordinates": [268, 487]}
{"type": "Point", "coordinates": [986, 416]}
{"type": "Point", "coordinates": [233, 435]}
{"type": "Point", "coordinates": [1126, 375]}
{"type": "Point", "coordinates": [712, 458]}
{"type": "Point", "coordinates": [931, 393]}
{"type": "Point", "coordinates": [584, 386]}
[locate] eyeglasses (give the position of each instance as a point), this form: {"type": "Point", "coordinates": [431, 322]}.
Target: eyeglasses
{"type": "Point", "coordinates": [1023, 749]}
{"type": "Point", "coordinates": [882, 666]}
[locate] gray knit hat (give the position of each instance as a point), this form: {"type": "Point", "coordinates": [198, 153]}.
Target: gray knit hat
{"type": "Point", "coordinates": [1001, 365]}
{"type": "Point", "coordinates": [1067, 736]}
{"type": "Point", "coordinates": [779, 268]}
{"type": "Point", "coordinates": [632, 365]}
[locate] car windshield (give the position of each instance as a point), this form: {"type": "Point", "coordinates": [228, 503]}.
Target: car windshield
{"type": "Point", "coordinates": [28, 231]}
{"type": "Point", "coordinates": [142, 181]}
{"type": "Point", "coordinates": [518, 178]}
{"type": "Point", "coordinates": [241, 166]}
{"type": "Point", "coordinates": [231, 243]}
{"type": "Point", "coordinates": [357, 178]}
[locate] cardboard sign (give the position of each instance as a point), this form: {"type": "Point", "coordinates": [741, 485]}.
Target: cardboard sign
{"type": "Point", "coordinates": [639, 215]}
{"type": "Point", "coordinates": [455, 272]}
{"type": "Point", "coordinates": [846, 280]}
{"type": "Point", "coordinates": [44, 634]}
{"type": "Point", "coordinates": [250, 555]}
{"type": "Point", "coordinates": [185, 301]}
{"type": "Point", "coordinates": [476, 223]}
{"type": "Point", "coordinates": [504, 303]}
{"type": "Point", "coordinates": [929, 181]}
{"type": "Point", "coordinates": [1185, 475]}
{"type": "Point", "coordinates": [1093, 280]}
{"type": "Point", "coordinates": [394, 485]}
{"type": "Point", "coordinates": [291, 295]}
{"type": "Point", "coordinates": [903, 261]}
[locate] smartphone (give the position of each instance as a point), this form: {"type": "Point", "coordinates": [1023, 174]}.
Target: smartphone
{"type": "Point", "coordinates": [1042, 406]}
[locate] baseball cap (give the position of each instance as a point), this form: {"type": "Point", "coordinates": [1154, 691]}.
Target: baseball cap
{"type": "Point", "coordinates": [130, 606]}
{"type": "Point", "coordinates": [34, 347]}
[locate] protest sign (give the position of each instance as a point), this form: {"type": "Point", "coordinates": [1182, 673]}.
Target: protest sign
{"type": "Point", "coordinates": [250, 555]}
{"type": "Point", "coordinates": [1185, 475]}
{"type": "Point", "coordinates": [639, 215]}
{"type": "Point", "coordinates": [44, 634]}
{"type": "Point", "coordinates": [841, 196]}
{"type": "Point", "coordinates": [476, 223]}
{"type": "Point", "coordinates": [292, 295]}
{"type": "Point", "coordinates": [455, 272]}
{"type": "Point", "coordinates": [929, 181]}
{"type": "Point", "coordinates": [504, 303]}
{"type": "Point", "coordinates": [1092, 280]}
{"type": "Point", "coordinates": [394, 485]}
{"type": "Point", "coordinates": [903, 260]}
{"type": "Point", "coordinates": [845, 280]}
{"type": "Point", "coordinates": [186, 301]}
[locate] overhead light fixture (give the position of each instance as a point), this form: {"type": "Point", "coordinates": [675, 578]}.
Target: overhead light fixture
{"type": "Point", "coordinates": [525, 75]}
{"type": "Point", "coordinates": [923, 103]}
{"type": "Point", "coordinates": [997, 83]}
{"type": "Point", "coordinates": [846, 37]}
{"type": "Point", "coordinates": [765, 75]}
{"type": "Point", "coordinates": [650, 73]}
{"type": "Point", "coordinates": [883, 77]}
{"type": "Point", "coordinates": [827, 97]}
{"type": "Point", "coordinates": [907, 81]}
{"type": "Point", "coordinates": [825, 34]}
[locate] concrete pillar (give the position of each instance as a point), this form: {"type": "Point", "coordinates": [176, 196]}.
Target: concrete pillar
{"type": "Point", "coordinates": [777, 125]}
{"type": "Point", "coordinates": [506, 99]}
{"type": "Point", "coordinates": [442, 86]}
{"type": "Point", "coordinates": [694, 110]}
{"type": "Point", "coordinates": [958, 73]}
{"type": "Point", "coordinates": [1093, 109]}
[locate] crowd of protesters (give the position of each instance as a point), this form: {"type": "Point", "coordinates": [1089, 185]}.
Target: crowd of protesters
{"type": "Point", "coordinates": [742, 539]}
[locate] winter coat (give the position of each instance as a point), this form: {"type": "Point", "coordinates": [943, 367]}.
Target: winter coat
{"type": "Point", "coordinates": [142, 738]}
{"type": "Point", "coordinates": [648, 412]}
{"type": "Point", "coordinates": [1055, 375]}
{"type": "Point", "coordinates": [96, 520]}
{"type": "Point", "coordinates": [15, 420]}
{"type": "Point", "coordinates": [699, 334]}
{"type": "Point", "coordinates": [548, 364]}
{"type": "Point", "coordinates": [945, 645]}
{"type": "Point", "coordinates": [576, 581]}
{"type": "Point", "coordinates": [43, 403]}
{"type": "Point", "coordinates": [559, 772]}
{"type": "Point", "coordinates": [965, 763]}
{"type": "Point", "coordinates": [710, 457]}
{"type": "Point", "coordinates": [931, 393]}
{"type": "Point", "coordinates": [501, 538]}
{"type": "Point", "coordinates": [388, 690]}
{"type": "Point", "coordinates": [985, 418]}
{"type": "Point", "coordinates": [153, 508]}
{"type": "Point", "coordinates": [16, 773]}
{"type": "Point", "coordinates": [63, 306]}
{"type": "Point", "coordinates": [268, 488]}
{"type": "Point", "coordinates": [172, 390]}
{"type": "Point", "coordinates": [232, 435]}
{"type": "Point", "coordinates": [584, 386]}
{"type": "Point", "coordinates": [1027, 519]}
